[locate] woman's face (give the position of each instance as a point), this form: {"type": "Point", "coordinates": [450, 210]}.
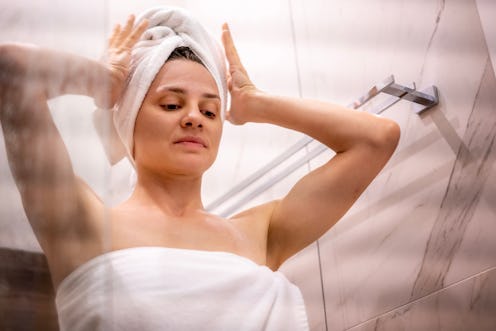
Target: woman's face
{"type": "Point", "coordinates": [179, 125]}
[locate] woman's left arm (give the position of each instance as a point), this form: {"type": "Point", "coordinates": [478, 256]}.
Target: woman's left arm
{"type": "Point", "coordinates": [363, 144]}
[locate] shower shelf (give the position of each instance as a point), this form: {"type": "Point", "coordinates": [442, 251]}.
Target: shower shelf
{"type": "Point", "coordinates": [422, 100]}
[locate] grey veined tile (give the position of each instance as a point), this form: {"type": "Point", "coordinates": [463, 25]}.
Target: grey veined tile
{"type": "Point", "coordinates": [425, 241]}
{"type": "Point", "coordinates": [472, 169]}
{"type": "Point", "coordinates": [467, 305]}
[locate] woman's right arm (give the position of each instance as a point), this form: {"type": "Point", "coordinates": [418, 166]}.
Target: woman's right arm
{"type": "Point", "coordinates": [38, 159]}
{"type": "Point", "coordinates": [54, 199]}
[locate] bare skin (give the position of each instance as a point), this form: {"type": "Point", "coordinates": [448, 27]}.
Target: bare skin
{"type": "Point", "coordinates": [71, 222]}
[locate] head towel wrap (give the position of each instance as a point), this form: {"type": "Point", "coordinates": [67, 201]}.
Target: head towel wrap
{"type": "Point", "coordinates": [168, 28]}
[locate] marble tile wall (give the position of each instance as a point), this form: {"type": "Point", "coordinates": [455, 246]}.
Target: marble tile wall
{"type": "Point", "coordinates": [417, 251]}
{"type": "Point", "coordinates": [466, 305]}
{"type": "Point", "coordinates": [426, 224]}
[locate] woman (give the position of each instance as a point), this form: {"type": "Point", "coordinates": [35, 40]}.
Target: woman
{"type": "Point", "coordinates": [154, 261]}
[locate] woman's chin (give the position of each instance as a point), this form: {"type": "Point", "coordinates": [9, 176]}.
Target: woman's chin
{"type": "Point", "coordinates": [185, 164]}
{"type": "Point", "coordinates": [191, 165]}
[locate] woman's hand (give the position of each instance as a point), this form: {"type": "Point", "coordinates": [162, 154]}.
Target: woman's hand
{"type": "Point", "coordinates": [117, 59]}
{"type": "Point", "coordinates": [240, 87]}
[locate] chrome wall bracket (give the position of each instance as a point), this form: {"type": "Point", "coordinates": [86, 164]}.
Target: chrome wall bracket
{"type": "Point", "coordinates": [423, 100]}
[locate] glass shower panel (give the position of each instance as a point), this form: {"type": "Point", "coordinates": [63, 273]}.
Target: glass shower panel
{"type": "Point", "coordinates": [26, 291]}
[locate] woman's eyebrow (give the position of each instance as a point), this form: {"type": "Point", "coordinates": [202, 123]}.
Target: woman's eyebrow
{"type": "Point", "coordinates": [179, 90]}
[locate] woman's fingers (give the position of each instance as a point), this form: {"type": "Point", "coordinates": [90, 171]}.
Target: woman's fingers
{"type": "Point", "coordinates": [125, 38]}
{"type": "Point", "coordinates": [231, 52]}
{"type": "Point", "coordinates": [113, 37]}
{"type": "Point", "coordinates": [136, 34]}
{"type": "Point", "coordinates": [125, 31]}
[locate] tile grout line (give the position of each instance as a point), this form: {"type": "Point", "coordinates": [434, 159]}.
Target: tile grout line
{"type": "Point", "coordinates": [493, 268]}
{"type": "Point", "coordinates": [295, 51]}
{"type": "Point", "coordinates": [322, 286]}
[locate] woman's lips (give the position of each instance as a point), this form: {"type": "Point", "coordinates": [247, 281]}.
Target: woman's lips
{"type": "Point", "coordinates": [191, 141]}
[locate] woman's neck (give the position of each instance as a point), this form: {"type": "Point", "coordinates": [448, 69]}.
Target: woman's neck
{"type": "Point", "coordinates": [174, 195]}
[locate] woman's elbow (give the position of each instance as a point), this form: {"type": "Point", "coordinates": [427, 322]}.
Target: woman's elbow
{"type": "Point", "coordinates": [13, 58]}
{"type": "Point", "coordinates": [388, 136]}
{"type": "Point", "coordinates": [9, 64]}
{"type": "Point", "coordinates": [9, 52]}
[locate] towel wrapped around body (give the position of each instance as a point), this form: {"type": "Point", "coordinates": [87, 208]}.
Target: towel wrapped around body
{"type": "Point", "coordinates": [160, 288]}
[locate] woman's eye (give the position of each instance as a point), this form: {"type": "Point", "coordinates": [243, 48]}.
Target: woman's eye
{"type": "Point", "coordinates": [209, 113]}
{"type": "Point", "coordinates": [171, 107]}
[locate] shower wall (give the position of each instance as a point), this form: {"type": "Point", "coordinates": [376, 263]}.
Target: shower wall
{"type": "Point", "coordinates": [417, 251]}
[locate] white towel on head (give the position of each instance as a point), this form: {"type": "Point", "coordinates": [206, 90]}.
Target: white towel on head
{"type": "Point", "coordinates": [168, 28]}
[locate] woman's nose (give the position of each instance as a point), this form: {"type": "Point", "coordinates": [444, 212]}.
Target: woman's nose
{"type": "Point", "coordinates": [192, 118]}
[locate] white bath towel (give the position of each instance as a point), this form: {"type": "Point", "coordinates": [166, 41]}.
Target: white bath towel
{"type": "Point", "coordinates": [159, 288]}
{"type": "Point", "coordinates": [168, 28]}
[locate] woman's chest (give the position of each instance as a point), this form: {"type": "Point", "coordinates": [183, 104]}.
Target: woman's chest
{"type": "Point", "coordinates": [200, 233]}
